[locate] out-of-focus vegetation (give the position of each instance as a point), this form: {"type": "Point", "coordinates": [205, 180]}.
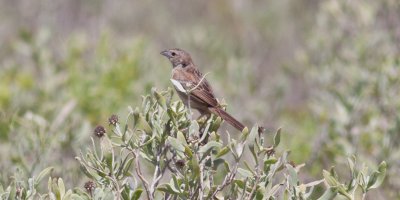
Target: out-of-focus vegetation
{"type": "Point", "coordinates": [353, 62]}
{"type": "Point", "coordinates": [325, 71]}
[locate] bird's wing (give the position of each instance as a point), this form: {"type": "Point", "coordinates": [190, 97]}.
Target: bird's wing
{"type": "Point", "coordinates": [203, 92]}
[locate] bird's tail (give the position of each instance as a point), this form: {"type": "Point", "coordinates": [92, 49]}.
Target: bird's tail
{"type": "Point", "coordinates": [228, 118]}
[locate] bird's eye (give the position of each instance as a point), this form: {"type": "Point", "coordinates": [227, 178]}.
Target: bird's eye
{"type": "Point", "coordinates": [173, 54]}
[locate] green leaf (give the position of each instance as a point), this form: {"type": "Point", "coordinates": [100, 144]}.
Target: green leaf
{"type": "Point", "coordinates": [253, 134]}
{"type": "Point", "coordinates": [142, 124]}
{"type": "Point", "coordinates": [260, 193]}
{"type": "Point", "coordinates": [122, 165]}
{"type": "Point", "coordinates": [245, 173]}
{"type": "Point", "coordinates": [174, 183]}
{"type": "Point", "coordinates": [209, 146]}
{"type": "Point", "coordinates": [136, 195]}
{"type": "Point", "coordinates": [377, 177]}
{"type": "Point", "coordinates": [181, 138]}
{"type": "Point", "coordinates": [251, 141]}
{"type": "Point", "coordinates": [218, 162]}
{"type": "Point", "coordinates": [82, 194]}
{"type": "Point", "coordinates": [333, 173]}
{"type": "Point", "coordinates": [245, 133]}
{"type": "Point", "coordinates": [253, 153]}
{"type": "Point", "coordinates": [314, 183]}
{"type": "Point", "coordinates": [77, 197]}
{"type": "Point", "coordinates": [227, 167]}
{"type": "Point", "coordinates": [49, 182]}
{"type": "Point", "coordinates": [125, 194]}
{"type": "Point", "coordinates": [330, 179]}
{"type": "Point", "coordinates": [108, 152]}
{"type": "Point", "coordinates": [85, 170]}
{"type": "Point", "coordinates": [215, 125]}
{"type": "Point", "coordinates": [293, 179]}
{"type": "Point", "coordinates": [103, 194]}
{"type": "Point", "coordinates": [195, 167]}
{"type": "Point", "coordinates": [171, 114]}
{"type": "Point", "coordinates": [351, 162]}
{"type": "Point", "coordinates": [277, 138]}
{"type": "Point", "coordinates": [231, 147]}
{"type": "Point", "coordinates": [61, 187]}
{"type": "Point", "coordinates": [270, 161]}
{"type": "Point", "coordinates": [13, 190]}
{"type": "Point", "coordinates": [223, 151]}
{"type": "Point", "coordinates": [329, 194]}
{"type": "Point", "coordinates": [168, 189]}
{"type": "Point", "coordinates": [247, 166]}
{"type": "Point", "coordinates": [42, 174]}
{"type": "Point", "coordinates": [55, 189]}
{"type": "Point", "coordinates": [193, 128]}
{"type": "Point", "coordinates": [148, 141]}
{"type": "Point", "coordinates": [160, 99]}
{"type": "Point", "coordinates": [126, 167]}
{"type": "Point", "coordinates": [176, 144]}
{"type": "Point", "coordinates": [239, 183]}
{"type": "Point", "coordinates": [273, 190]}
{"type": "Point", "coordinates": [188, 152]}
{"type": "Point", "coordinates": [239, 150]}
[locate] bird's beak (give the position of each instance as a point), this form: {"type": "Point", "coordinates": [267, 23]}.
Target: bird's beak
{"type": "Point", "coordinates": [165, 53]}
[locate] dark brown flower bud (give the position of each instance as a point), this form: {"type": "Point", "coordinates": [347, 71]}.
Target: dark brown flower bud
{"type": "Point", "coordinates": [113, 120]}
{"type": "Point", "coordinates": [261, 130]}
{"type": "Point", "coordinates": [193, 139]}
{"type": "Point", "coordinates": [18, 191]}
{"type": "Point", "coordinates": [180, 164]}
{"type": "Point", "coordinates": [270, 152]}
{"type": "Point", "coordinates": [99, 131]}
{"type": "Point", "coordinates": [292, 163]}
{"type": "Point", "coordinates": [90, 186]}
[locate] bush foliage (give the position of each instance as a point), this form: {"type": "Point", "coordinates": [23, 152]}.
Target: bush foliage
{"type": "Point", "coordinates": [159, 152]}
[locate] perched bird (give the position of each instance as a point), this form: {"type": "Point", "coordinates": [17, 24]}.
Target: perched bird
{"type": "Point", "coordinates": [191, 79]}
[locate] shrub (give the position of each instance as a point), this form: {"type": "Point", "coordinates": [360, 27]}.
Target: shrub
{"type": "Point", "coordinates": [159, 152]}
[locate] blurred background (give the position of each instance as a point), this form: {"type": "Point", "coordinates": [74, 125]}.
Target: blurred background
{"type": "Point", "coordinates": [327, 72]}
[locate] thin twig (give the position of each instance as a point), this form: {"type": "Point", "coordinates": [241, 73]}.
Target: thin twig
{"type": "Point", "coordinates": [141, 177]}
{"type": "Point", "coordinates": [158, 172]}
{"type": "Point", "coordinates": [202, 186]}
{"type": "Point", "coordinates": [116, 185]}
{"type": "Point", "coordinates": [195, 192]}
{"type": "Point", "coordinates": [231, 175]}
{"type": "Point", "coordinates": [228, 180]}
{"type": "Point", "coordinates": [257, 179]}
{"type": "Point", "coordinates": [244, 188]}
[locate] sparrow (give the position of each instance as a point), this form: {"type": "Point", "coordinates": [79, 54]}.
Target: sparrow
{"type": "Point", "coordinates": [199, 94]}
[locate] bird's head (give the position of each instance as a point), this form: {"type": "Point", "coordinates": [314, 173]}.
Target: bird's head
{"type": "Point", "coordinates": [177, 57]}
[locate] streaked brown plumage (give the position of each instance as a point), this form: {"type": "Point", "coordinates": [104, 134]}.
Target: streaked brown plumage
{"type": "Point", "coordinates": [202, 97]}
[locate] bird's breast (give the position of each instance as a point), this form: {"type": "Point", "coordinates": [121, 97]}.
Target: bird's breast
{"type": "Point", "coordinates": [180, 74]}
